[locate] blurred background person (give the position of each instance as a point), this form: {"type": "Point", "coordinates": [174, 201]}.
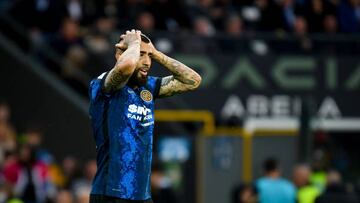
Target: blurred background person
{"type": "Point", "coordinates": [29, 177]}
{"type": "Point", "coordinates": [306, 193]}
{"type": "Point", "coordinates": [336, 191]}
{"type": "Point", "coordinates": [64, 196]}
{"type": "Point", "coordinates": [161, 186]}
{"type": "Point", "coordinates": [244, 193]}
{"type": "Point", "coordinates": [272, 187]}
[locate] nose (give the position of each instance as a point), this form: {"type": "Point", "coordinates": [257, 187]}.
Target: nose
{"type": "Point", "coordinates": [147, 61]}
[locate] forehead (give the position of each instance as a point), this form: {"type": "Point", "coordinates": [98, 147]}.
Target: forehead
{"type": "Point", "coordinates": [145, 47]}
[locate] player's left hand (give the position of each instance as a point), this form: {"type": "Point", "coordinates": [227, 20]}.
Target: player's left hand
{"type": "Point", "coordinates": [153, 51]}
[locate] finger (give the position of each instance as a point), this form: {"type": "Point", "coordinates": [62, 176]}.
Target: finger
{"type": "Point", "coordinates": [128, 32]}
{"type": "Point", "coordinates": [122, 37]}
{"type": "Point", "coordinates": [121, 46]}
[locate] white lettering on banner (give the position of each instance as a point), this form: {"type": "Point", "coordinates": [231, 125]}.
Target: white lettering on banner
{"type": "Point", "coordinates": [329, 109]}
{"type": "Point", "coordinates": [277, 106]}
{"type": "Point", "coordinates": [257, 105]}
{"type": "Point", "coordinates": [233, 107]}
{"type": "Point", "coordinates": [281, 106]}
{"type": "Point", "coordinates": [139, 113]}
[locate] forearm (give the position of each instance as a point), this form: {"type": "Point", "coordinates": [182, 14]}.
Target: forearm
{"type": "Point", "coordinates": [180, 71]}
{"type": "Point", "coordinates": [123, 69]}
{"type": "Point", "coordinates": [131, 55]}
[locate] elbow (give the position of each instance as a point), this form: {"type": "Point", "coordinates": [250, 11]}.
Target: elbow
{"type": "Point", "coordinates": [197, 81]}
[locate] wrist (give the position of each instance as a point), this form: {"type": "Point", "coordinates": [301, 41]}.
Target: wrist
{"type": "Point", "coordinates": [135, 43]}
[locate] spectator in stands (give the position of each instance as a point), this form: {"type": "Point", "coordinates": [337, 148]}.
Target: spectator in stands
{"type": "Point", "coordinates": [7, 133]}
{"type": "Point", "coordinates": [5, 112]}
{"type": "Point", "coordinates": [71, 170]}
{"type": "Point", "coordinates": [29, 177]}
{"type": "Point", "coordinates": [271, 15]}
{"type": "Point", "coordinates": [172, 16]}
{"type": "Point", "coordinates": [349, 17]}
{"type": "Point", "coordinates": [161, 186]}
{"type": "Point", "coordinates": [34, 138]}
{"type": "Point", "coordinates": [69, 36]}
{"type": "Point", "coordinates": [315, 14]}
{"type": "Point", "coordinates": [272, 187]}
{"type": "Point", "coordinates": [7, 194]}
{"type": "Point", "coordinates": [244, 193]}
{"type": "Point", "coordinates": [83, 12]}
{"type": "Point", "coordinates": [105, 26]}
{"type": "Point", "coordinates": [233, 25]}
{"type": "Point", "coordinates": [64, 196]}
{"type": "Point", "coordinates": [84, 183]}
{"type": "Point", "coordinates": [82, 195]}
{"type": "Point", "coordinates": [335, 191]}
{"type": "Point", "coordinates": [201, 8]}
{"type": "Point", "coordinates": [330, 24]}
{"type": "Point", "coordinates": [288, 14]}
{"type": "Point", "coordinates": [306, 193]}
{"type": "Point", "coordinates": [145, 22]}
{"type": "Point", "coordinates": [300, 26]}
{"type": "Point", "coordinates": [203, 27]}
{"type": "Point", "coordinates": [319, 170]}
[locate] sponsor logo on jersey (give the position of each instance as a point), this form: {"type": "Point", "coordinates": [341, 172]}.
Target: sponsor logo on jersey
{"type": "Point", "coordinates": [140, 113]}
{"type": "Point", "coordinates": [146, 95]}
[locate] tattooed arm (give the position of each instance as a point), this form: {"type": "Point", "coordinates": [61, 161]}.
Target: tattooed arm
{"type": "Point", "coordinates": [183, 78]}
{"type": "Point", "coordinates": [128, 53]}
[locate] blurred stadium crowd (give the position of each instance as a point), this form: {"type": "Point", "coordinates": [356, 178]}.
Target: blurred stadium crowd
{"type": "Point", "coordinates": [83, 33]}
{"type": "Point", "coordinates": [29, 173]}
{"type": "Point", "coordinates": [204, 17]}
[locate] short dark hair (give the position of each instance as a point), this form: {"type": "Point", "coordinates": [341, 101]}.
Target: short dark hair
{"type": "Point", "coordinates": [270, 164]}
{"type": "Point", "coordinates": [145, 38]}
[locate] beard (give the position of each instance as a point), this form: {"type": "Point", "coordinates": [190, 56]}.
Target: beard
{"type": "Point", "coordinates": [137, 79]}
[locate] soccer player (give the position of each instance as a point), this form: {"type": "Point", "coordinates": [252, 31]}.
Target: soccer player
{"type": "Point", "coordinates": [122, 116]}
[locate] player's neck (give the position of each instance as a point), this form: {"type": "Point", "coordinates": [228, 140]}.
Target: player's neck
{"type": "Point", "coordinates": [132, 86]}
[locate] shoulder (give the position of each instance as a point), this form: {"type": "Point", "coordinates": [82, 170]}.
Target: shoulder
{"type": "Point", "coordinates": [96, 86]}
{"type": "Point", "coordinates": [98, 80]}
{"type": "Point", "coordinates": [153, 84]}
{"type": "Point", "coordinates": [153, 79]}
{"type": "Point", "coordinates": [260, 182]}
{"type": "Point", "coordinates": [288, 184]}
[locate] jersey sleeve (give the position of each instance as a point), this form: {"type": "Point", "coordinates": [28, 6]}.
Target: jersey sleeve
{"type": "Point", "coordinates": [96, 86]}
{"type": "Point", "coordinates": [154, 84]}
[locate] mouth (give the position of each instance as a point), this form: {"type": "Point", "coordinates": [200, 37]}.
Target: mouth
{"type": "Point", "coordinates": [143, 71]}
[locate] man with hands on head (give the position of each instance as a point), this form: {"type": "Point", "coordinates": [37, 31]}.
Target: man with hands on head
{"type": "Point", "coordinates": [122, 117]}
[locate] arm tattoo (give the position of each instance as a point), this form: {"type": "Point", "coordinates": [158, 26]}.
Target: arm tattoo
{"type": "Point", "coordinates": [182, 80]}
{"type": "Point", "coordinates": [120, 74]}
{"type": "Point", "coordinates": [171, 86]}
